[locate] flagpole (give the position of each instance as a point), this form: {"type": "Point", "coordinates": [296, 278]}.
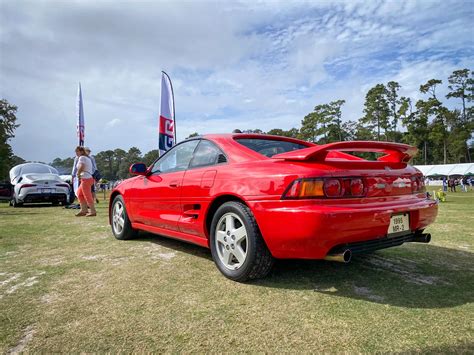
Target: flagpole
{"type": "Point", "coordinates": [174, 112]}
{"type": "Point", "coordinates": [80, 117]}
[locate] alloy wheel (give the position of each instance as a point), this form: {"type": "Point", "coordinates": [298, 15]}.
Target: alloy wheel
{"type": "Point", "coordinates": [118, 217]}
{"type": "Point", "coordinates": [231, 241]}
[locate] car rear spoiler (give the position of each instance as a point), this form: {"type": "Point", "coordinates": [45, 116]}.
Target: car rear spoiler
{"type": "Point", "coordinates": [394, 152]}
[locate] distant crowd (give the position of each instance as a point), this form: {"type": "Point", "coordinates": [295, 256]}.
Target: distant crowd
{"type": "Point", "coordinates": [463, 183]}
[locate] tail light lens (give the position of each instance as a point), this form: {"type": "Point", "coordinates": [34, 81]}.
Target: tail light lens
{"type": "Point", "coordinates": [357, 187]}
{"type": "Point", "coordinates": [305, 188]}
{"type": "Point", "coordinates": [27, 185]}
{"type": "Point", "coordinates": [333, 188]}
{"type": "Point", "coordinates": [326, 188]}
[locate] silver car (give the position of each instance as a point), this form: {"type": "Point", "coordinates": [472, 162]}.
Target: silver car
{"type": "Point", "coordinates": [36, 182]}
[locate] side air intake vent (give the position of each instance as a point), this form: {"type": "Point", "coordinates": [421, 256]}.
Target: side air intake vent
{"type": "Point", "coordinates": [221, 159]}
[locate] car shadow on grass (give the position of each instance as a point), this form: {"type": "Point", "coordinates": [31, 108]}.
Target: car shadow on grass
{"type": "Point", "coordinates": [413, 275]}
{"type": "Point", "coordinates": [174, 244]}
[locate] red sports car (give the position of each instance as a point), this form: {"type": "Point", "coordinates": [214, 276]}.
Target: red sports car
{"type": "Point", "coordinates": [251, 198]}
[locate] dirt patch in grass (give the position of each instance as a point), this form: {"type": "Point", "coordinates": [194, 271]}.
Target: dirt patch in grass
{"type": "Point", "coordinates": [14, 282]}
{"type": "Point", "coordinates": [366, 292]}
{"type": "Point", "coordinates": [407, 270]}
{"type": "Point", "coordinates": [27, 337]}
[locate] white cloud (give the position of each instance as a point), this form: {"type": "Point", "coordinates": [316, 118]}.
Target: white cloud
{"type": "Point", "coordinates": [233, 65]}
{"type": "Point", "coordinates": [113, 122]}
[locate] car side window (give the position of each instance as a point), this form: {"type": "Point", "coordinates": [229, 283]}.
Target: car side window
{"type": "Point", "coordinates": [176, 159]}
{"type": "Point", "coordinates": [207, 154]}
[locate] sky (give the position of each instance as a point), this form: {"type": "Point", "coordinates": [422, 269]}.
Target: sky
{"type": "Point", "coordinates": [233, 64]}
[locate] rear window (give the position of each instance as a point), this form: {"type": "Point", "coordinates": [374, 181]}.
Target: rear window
{"type": "Point", "coordinates": [38, 169]}
{"type": "Point", "coordinates": [270, 147]}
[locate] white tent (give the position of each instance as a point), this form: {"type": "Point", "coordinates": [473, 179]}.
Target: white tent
{"type": "Point", "coordinates": [425, 169]}
{"type": "Point", "coordinates": [446, 169]}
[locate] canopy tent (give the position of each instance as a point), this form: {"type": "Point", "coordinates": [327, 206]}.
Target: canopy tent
{"type": "Point", "coordinates": [446, 169]}
{"type": "Point", "coordinates": [425, 169]}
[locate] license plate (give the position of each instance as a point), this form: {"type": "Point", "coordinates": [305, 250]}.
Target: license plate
{"type": "Point", "coordinates": [399, 224]}
{"type": "Point", "coordinates": [46, 191]}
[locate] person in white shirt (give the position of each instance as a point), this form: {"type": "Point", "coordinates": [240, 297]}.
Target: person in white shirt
{"type": "Point", "coordinates": [94, 168]}
{"type": "Point", "coordinates": [84, 192]}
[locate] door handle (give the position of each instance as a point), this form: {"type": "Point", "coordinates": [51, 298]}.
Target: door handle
{"type": "Point", "coordinates": [174, 183]}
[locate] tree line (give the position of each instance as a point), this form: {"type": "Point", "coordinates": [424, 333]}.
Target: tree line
{"type": "Point", "coordinates": [442, 135]}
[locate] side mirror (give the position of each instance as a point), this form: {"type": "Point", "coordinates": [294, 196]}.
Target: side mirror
{"type": "Point", "coordinates": [138, 169]}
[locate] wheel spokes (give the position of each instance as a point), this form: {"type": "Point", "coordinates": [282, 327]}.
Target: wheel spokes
{"type": "Point", "coordinates": [221, 237]}
{"type": "Point", "coordinates": [227, 256]}
{"type": "Point", "coordinates": [240, 234]}
{"type": "Point", "coordinates": [118, 217]}
{"type": "Point", "coordinates": [229, 223]}
{"type": "Point", "coordinates": [231, 241]}
{"type": "Point", "coordinates": [239, 254]}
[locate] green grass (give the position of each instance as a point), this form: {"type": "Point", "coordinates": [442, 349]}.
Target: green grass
{"type": "Point", "coordinates": [66, 285]}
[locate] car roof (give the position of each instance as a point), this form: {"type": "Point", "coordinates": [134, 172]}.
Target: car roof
{"type": "Point", "coordinates": [31, 168]}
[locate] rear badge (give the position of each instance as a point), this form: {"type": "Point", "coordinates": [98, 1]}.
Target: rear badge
{"type": "Point", "coordinates": [399, 184]}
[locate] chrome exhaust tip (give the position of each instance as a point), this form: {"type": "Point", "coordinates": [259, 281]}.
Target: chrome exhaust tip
{"type": "Point", "coordinates": [343, 257]}
{"type": "Point", "coordinates": [422, 238]}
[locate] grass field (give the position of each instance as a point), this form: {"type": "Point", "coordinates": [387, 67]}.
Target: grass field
{"type": "Point", "coordinates": [66, 285]}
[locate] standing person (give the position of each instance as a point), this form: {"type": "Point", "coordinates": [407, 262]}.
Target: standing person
{"type": "Point", "coordinates": [452, 185]}
{"type": "Point", "coordinates": [84, 192]}
{"type": "Point", "coordinates": [445, 184]}
{"type": "Point", "coordinates": [94, 168]}
{"type": "Point", "coordinates": [74, 181]}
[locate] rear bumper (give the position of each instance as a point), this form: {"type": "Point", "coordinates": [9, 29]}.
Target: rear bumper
{"type": "Point", "coordinates": [36, 197]}
{"type": "Point", "coordinates": [311, 229]}
{"type": "Point", "coordinates": [377, 244]}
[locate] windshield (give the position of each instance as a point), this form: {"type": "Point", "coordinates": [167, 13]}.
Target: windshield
{"type": "Point", "coordinates": [270, 147]}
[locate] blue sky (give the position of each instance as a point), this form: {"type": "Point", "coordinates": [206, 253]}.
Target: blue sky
{"type": "Point", "coordinates": [233, 64]}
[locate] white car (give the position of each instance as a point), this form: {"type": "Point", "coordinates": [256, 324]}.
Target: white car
{"type": "Point", "coordinates": [36, 182]}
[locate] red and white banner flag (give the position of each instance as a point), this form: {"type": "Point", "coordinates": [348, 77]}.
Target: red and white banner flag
{"type": "Point", "coordinates": [167, 128]}
{"type": "Point", "coordinates": [80, 117]}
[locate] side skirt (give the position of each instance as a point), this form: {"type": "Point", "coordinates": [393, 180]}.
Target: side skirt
{"type": "Point", "coordinates": [173, 234]}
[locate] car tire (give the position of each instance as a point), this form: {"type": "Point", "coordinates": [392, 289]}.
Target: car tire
{"type": "Point", "coordinates": [15, 203]}
{"type": "Point", "coordinates": [121, 225]}
{"type": "Point", "coordinates": [237, 246]}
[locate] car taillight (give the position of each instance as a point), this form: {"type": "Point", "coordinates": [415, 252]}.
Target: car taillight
{"type": "Point", "coordinates": [326, 187]}
{"type": "Point", "coordinates": [357, 187]}
{"type": "Point", "coordinates": [27, 185]}
{"type": "Point", "coordinates": [333, 188]}
{"type": "Point", "coordinates": [305, 188]}
{"type": "Point", "coordinates": [417, 184]}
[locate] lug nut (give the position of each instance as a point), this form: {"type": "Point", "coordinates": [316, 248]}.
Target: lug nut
{"type": "Point", "coordinates": [233, 237]}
